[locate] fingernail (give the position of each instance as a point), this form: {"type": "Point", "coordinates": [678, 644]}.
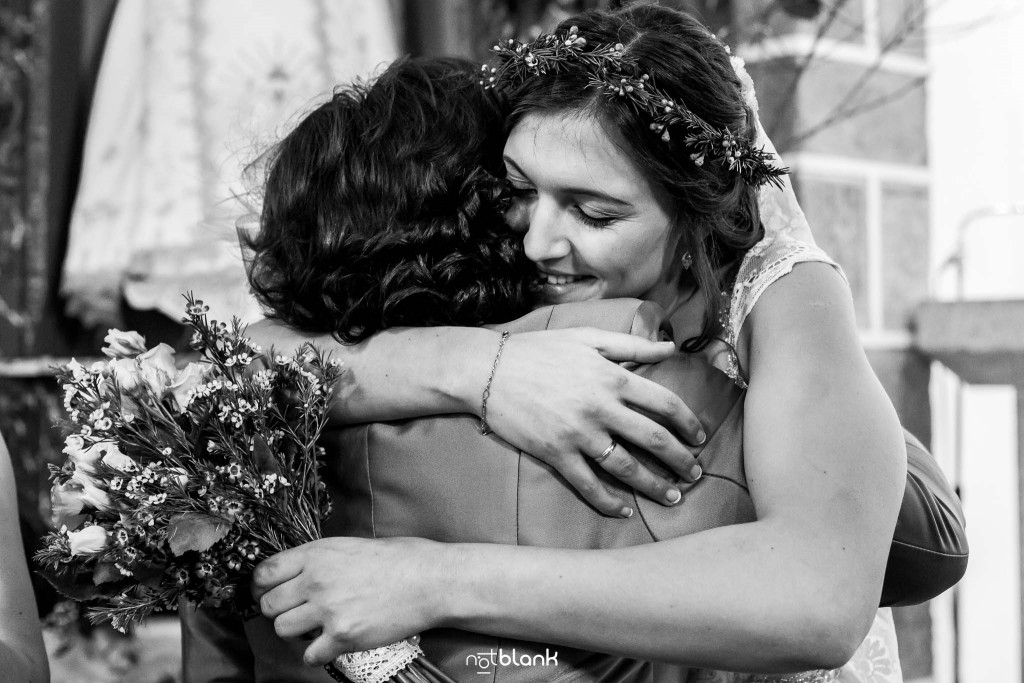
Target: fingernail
{"type": "Point", "coordinates": [627, 512]}
{"type": "Point", "coordinates": [701, 437]}
{"type": "Point", "coordinates": [673, 496]}
{"type": "Point", "coordinates": [696, 472]}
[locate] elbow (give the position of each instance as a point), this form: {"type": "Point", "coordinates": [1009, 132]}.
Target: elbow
{"type": "Point", "coordinates": [828, 638]}
{"type": "Point", "coordinates": [830, 649]}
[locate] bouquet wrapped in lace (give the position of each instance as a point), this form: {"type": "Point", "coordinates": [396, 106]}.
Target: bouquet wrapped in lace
{"type": "Point", "coordinates": [178, 482]}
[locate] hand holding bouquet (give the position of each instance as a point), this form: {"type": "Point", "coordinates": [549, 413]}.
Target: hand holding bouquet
{"type": "Point", "coordinates": [179, 482]}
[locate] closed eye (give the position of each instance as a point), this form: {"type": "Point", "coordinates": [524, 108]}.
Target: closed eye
{"type": "Point", "coordinates": [593, 221]}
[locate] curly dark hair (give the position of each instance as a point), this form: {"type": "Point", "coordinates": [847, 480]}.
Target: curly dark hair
{"type": "Point", "coordinates": [384, 206]}
{"type": "Point", "coordinates": [715, 211]}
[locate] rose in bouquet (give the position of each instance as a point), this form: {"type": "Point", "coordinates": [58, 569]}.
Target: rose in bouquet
{"type": "Point", "coordinates": [178, 482]}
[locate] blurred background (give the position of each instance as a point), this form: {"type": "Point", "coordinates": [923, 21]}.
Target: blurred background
{"type": "Point", "coordinates": [125, 128]}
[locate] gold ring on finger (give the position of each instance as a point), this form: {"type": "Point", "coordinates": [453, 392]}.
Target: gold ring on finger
{"type": "Point", "coordinates": [606, 452]}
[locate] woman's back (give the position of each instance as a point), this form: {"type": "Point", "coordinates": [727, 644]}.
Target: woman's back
{"type": "Point", "coordinates": [439, 478]}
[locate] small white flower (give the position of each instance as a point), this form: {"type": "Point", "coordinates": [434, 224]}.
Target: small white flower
{"type": "Point", "coordinates": [74, 444]}
{"type": "Point", "coordinates": [77, 371]}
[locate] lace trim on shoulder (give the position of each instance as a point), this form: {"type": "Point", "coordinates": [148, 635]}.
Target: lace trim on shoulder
{"type": "Point", "coordinates": [765, 263]}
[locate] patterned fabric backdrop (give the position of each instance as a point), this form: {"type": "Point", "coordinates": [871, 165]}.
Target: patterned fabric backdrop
{"type": "Point", "coordinates": [188, 92]}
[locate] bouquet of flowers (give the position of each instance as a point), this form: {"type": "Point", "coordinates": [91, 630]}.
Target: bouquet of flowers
{"type": "Point", "coordinates": [178, 482]}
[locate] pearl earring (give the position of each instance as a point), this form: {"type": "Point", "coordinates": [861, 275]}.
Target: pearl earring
{"type": "Point", "coordinates": [687, 260]}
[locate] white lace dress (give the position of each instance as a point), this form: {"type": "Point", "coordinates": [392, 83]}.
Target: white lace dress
{"type": "Point", "coordinates": [877, 659]}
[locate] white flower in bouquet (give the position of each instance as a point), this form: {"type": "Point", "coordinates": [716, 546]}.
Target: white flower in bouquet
{"type": "Point", "coordinates": [74, 444]}
{"type": "Point", "coordinates": [87, 459]}
{"type": "Point", "coordinates": [152, 369]}
{"type": "Point", "coordinates": [191, 377]}
{"type": "Point", "coordinates": [65, 502]}
{"type": "Point", "coordinates": [89, 493]}
{"type": "Point", "coordinates": [156, 368]}
{"type": "Point", "coordinates": [125, 374]}
{"type": "Point", "coordinates": [119, 461]}
{"type": "Point", "coordinates": [89, 540]}
{"type": "Point", "coordinates": [123, 344]}
{"type": "Point", "coordinates": [76, 369]}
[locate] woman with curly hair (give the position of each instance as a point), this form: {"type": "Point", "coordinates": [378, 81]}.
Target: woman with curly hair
{"type": "Point", "coordinates": [378, 213]}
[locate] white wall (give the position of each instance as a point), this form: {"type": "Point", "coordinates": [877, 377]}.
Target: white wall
{"type": "Point", "coordinates": [976, 131]}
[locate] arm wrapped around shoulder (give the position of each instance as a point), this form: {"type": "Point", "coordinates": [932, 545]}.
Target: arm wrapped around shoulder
{"type": "Point", "coordinates": [929, 547]}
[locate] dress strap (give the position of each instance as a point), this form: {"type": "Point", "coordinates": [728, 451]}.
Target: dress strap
{"type": "Point", "coordinates": [767, 261]}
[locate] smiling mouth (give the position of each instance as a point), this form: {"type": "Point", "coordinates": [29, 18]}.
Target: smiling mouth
{"type": "Point", "coordinates": [552, 279]}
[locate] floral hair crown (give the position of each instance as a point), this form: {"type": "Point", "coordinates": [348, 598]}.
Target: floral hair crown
{"type": "Point", "coordinates": [616, 75]}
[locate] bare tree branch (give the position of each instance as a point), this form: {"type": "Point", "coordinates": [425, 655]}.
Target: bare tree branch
{"type": "Point", "coordinates": [838, 115]}
{"type": "Point", "coordinates": [786, 102]}
{"type": "Point", "coordinates": [843, 109]}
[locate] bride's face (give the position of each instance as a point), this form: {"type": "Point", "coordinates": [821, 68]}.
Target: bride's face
{"type": "Point", "coordinates": [594, 226]}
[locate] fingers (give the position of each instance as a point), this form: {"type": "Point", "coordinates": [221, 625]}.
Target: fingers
{"type": "Point", "coordinates": [624, 466]}
{"type": "Point", "coordinates": [324, 649]}
{"type": "Point", "coordinates": [637, 430]}
{"type": "Point", "coordinates": [621, 347]}
{"type": "Point", "coordinates": [664, 407]}
{"type": "Point", "coordinates": [279, 600]}
{"type": "Point", "coordinates": [579, 475]}
{"type": "Point", "coordinates": [298, 622]}
{"type": "Point", "coordinates": [275, 570]}
{"type": "Point", "coordinates": [642, 393]}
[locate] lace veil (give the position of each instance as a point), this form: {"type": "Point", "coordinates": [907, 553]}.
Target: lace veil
{"type": "Point", "coordinates": [780, 212]}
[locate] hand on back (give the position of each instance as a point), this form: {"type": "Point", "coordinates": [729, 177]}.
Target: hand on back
{"type": "Point", "coordinates": [563, 397]}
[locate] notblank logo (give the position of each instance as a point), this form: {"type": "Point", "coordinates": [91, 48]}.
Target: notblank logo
{"type": "Point", "coordinates": [485, 662]}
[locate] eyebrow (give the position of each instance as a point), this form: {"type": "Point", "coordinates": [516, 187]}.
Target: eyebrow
{"type": "Point", "coordinates": [576, 191]}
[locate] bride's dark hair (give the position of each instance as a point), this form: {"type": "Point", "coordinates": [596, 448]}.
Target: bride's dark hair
{"type": "Point", "coordinates": [383, 208]}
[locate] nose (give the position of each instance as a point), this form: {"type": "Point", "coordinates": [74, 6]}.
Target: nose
{"type": "Point", "coordinates": [545, 238]}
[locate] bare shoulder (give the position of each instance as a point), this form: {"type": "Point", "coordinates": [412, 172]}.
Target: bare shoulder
{"type": "Point", "coordinates": [807, 314]}
{"type": "Point", "coordinates": [811, 287]}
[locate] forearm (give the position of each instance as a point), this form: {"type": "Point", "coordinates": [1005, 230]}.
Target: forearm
{"type": "Point", "coordinates": [399, 373]}
{"type": "Point", "coordinates": [754, 597]}
{"type": "Point", "coordinates": [415, 372]}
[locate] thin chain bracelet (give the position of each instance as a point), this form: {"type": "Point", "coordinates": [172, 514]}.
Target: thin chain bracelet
{"type": "Point", "coordinates": [484, 429]}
